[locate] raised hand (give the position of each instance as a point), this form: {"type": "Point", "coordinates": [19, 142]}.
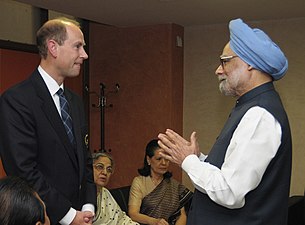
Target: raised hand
{"type": "Point", "coordinates": [176, 148]}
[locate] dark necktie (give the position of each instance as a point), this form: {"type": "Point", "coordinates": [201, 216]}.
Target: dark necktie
{"type": "Point", "coordinates": [65, 116]}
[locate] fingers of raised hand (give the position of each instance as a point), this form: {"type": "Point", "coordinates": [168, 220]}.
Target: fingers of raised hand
{"type": "Point", "coordinates": [178, 140]}
{"type": "Point", "coordinates": [165, 142]}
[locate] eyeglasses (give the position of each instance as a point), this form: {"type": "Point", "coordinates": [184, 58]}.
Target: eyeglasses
{"type": "Point", "coordinates": [100, 167]}
{"type": "Point", "coordinates": [225, 59]}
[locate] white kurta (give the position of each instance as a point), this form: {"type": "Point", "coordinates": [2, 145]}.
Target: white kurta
{"type": "Point", "coordinates": [253, 145]}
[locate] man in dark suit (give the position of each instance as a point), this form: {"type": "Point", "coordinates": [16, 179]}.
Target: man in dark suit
{"type": "Point", "coordinates": [34, 142]}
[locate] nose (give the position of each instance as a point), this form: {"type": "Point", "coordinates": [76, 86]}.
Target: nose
{"type": "Point", "coordinates": [164, 161]}
{"type": "Point", "coordinates": [84, 55]}
{"type": "Point", "coordinates": [219, 70]}
{"type": "Point", "coordinates": [104, 172]}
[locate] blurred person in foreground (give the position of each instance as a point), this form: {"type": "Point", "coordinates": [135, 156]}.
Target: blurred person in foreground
{"type": "Point", "coordinates": [43, 129]}
{"type": "Point", "coordinates": [245, 178]}
{"type": "Point", "coordinates": [108, 211]}
{"type": "Point", "coordinates": [20, 204]}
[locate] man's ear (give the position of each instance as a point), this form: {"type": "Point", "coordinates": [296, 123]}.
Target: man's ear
{"type": "Point", "coordinates": [38, 223]}
{"type": "Point", "coordinates": [52, 47]}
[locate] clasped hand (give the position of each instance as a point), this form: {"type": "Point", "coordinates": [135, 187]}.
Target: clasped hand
{"type": "Point", "coordinates": [161, 222]}
{"type": "Point", "coordinates": [83, 218]}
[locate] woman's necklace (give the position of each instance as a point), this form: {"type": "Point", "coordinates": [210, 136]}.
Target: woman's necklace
{"type": "Point", "coordinates": [156, 182]}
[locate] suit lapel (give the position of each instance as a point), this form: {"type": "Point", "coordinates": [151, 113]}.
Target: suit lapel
{"type": "Point", "coordinates": [50, 110]}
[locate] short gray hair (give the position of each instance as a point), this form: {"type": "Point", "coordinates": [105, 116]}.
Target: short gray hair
{"type": "Point", "coordinates": [95, 156]}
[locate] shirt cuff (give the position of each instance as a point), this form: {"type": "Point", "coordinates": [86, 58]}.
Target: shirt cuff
{"type": "Point", "coordinates": [202, 157]}
{"type": "Point", "coordinates": [88, 207]}
{"type": "Point", "coordinates": [68, 218]}
{"type": "Point", "coordinates": [189, 162]}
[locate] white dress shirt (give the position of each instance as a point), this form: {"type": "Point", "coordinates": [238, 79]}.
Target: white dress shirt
{"type": "Point", "coordinates": [253, 145]}
{"type": "Point", "coordinates": [52, 87]}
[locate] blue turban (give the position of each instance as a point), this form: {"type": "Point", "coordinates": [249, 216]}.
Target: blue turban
{"type": "Point", "coordinates": [254, 47]}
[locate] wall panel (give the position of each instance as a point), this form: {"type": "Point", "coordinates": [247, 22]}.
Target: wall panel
{"type": "Point", "coordinates": [148, 66]}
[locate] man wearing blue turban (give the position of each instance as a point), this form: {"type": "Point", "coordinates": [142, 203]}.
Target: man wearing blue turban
{"type": "Point", "coordinates": [245, 179]}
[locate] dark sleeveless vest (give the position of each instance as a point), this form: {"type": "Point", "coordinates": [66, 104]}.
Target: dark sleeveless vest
{"type": "Point", "coordinates": [268, 203]}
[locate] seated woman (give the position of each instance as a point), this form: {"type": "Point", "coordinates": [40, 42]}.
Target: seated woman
{"type": "Point", "coordinates": [156, 198]}
{"type": "Point", "coordinates": [108, 211]}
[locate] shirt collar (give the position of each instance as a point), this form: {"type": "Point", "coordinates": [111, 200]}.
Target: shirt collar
{"type": "Point", "coordinates": [50, 82]}
{"type": "Point", "coordinates": [254, 92]}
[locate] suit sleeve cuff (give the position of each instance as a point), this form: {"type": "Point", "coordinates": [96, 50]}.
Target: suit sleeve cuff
{"type": "Point", "coordinates": [68, 218]}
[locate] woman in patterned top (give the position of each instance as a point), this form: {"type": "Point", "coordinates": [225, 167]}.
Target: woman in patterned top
{"type": "Point", "coordinates": [108, 211]}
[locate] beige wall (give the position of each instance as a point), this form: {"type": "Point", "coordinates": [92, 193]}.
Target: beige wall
{"type": "Point", "coordinates": [205, 109]}
{"type": "Point", "coordinates": [19, 22]}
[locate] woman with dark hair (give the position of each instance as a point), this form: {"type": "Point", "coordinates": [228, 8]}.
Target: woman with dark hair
{"type": "Point", "coordinates": [20, 204]}
{"type": "Point", "coordinates": [155, 197]}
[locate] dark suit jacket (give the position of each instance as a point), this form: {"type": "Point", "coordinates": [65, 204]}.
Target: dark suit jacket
{"type": "Point", "coordinates": [34, 145]}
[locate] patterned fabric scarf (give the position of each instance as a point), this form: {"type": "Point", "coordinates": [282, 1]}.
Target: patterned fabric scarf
{"type": "Point", "coordinates": [166, 200]}
{"type": "Point", "coordinates": [109, 212]}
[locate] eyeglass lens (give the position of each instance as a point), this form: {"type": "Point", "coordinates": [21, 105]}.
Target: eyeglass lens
{"type": "Point", "coordinates": [101, 167]}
